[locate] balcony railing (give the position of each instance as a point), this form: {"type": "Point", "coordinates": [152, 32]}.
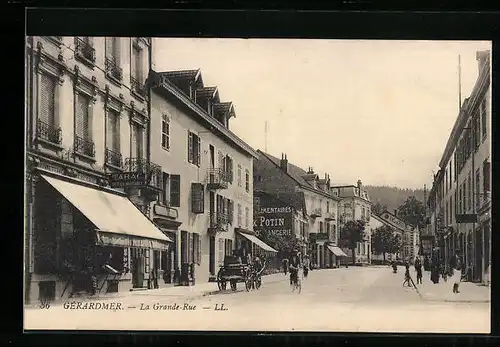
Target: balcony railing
{"type": "Point", "coordinates": [85, 147]}
{"type": "Point", "coordinates": [48, 132]}
{"type": "Point", "coordinates": [482, 200]}
{"type": "Point", "coordinates": [113, 158]}
{"type": "Point", "coordinates": [217, 178]}
{"type": "Point", "coordinates": [113, 70]}
{"type": "Point", "coordinates": [316, 213]}
{"type": "Point", "coordinates": [330, 216]}
{"type": "Point", "coordinates": [138, 87]}
{"type": "Point", "coordinates": [152, 172]}
{"type": "Point", "coordinates": [85, 50]}
{"type": "Point", "coordinates": [218, 221]}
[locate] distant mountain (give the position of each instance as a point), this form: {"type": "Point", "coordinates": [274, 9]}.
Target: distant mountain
{"type": "Point", "coordinates": [392, 196]}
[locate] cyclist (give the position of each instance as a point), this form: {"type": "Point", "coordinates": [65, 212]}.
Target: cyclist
{"type": "Point", "coordinates": [294, 266]}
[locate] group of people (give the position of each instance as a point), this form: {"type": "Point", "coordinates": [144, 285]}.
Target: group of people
{"type": "Point", "coordinates": [454, 271]}
{"type": "Point", "coordinates": [293, 265]}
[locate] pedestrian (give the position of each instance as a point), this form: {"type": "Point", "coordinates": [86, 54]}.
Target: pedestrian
{"type": "Point", "coordinates": [285, 266]}
{"type": "Point", "coordinates": [407, 275]}
{"type": "Point", "coordinates": [456, 276]}
{"type": "Point", "coordinates": [418, 269]}
{"type": "Point", "coordinates": [306, 266]}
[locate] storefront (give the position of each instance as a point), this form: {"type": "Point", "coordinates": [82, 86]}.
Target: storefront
{"type": "Point", "coordinates": [336, 255]}
{"type": "Point", "coordinates": [85, 239]}
{"type": "Point", "coordinates": [249, 245]}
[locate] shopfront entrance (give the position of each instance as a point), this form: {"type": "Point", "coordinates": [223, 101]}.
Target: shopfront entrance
{"type": "Point", "coordinates": [137, 266]}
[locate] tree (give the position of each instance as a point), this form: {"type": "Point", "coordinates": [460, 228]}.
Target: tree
{"type": "Point", "coordinates": [378, 208]}
{"type": "Point", "coordinates": [412, 211]}
{"type": "Point", "coordinates": [382, 240]}
{"type": "Point", "coordinates": [350, 234]}
{"type": "Point", "coordinates": [396, 244]}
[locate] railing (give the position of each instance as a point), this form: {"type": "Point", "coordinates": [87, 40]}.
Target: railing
{"type": "Point", "coordinates": [85, 50]}
{"type": "Point", "coordinates": [152, 171]}
{"type": "Point", "coordinates": [217, 178]}
{"type": "Point", "coordinates": [113, 158]}
{"type": "Point", "coordinates": [85, 147]}
{"type": "Point", "coordinates": [330, 216]}
{"type": "Point", "coordinates": [113, 70]}
{"type": "Point", "coordinates": [483, 199]}
{"type": "Point", "coordinates": [138, 87]}
{"type": "Point", "coordinates": [218, 220]}
{"type": "Point", "coordinates": [48, 132]}
{"type": "Point", "coordinates": [316, 213]}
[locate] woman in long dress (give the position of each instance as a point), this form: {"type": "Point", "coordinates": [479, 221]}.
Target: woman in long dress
{"type": "Point", "coordinates": [456, 277]}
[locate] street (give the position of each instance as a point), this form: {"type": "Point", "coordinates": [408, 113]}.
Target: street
{"type": "Point", "coordinates": [354, 299]}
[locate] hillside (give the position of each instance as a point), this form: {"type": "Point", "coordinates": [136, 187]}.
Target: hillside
{"type": "Point", "coordinates": [392, 196]}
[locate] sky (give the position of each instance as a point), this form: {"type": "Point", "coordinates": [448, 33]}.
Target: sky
{"type": "Point", "coordinates": [379, 111]}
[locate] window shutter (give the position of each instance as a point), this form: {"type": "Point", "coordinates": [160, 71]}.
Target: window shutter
{"type": "Point", "coordinates": [221, 251]}
{"type": "Point", "coordinates": [82, 110]}
{"type": "Point", "coordinates": [198, 151]}
{"type": "Point", "coordinates": [230, 211]}
{"type": "Point", "coordinates": [109, 48]}
{"type": "Point", "coordinates": [175, 190]}
{"type": "Point", "coordinates": [190, 248]}
{"type": "Point", "coordinates": [198, 244]}
{"type": "Point", "coordinates": [197, 198]}
{"type": "Point", "coordinates": [47, 99]}
{"type": "Point", "coordinates": [190, 147]}
{"type": "Point", "coordinates": [146, 260]}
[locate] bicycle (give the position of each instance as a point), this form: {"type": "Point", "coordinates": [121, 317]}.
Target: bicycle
{"type": "Point", "coordinates": [297, 284]}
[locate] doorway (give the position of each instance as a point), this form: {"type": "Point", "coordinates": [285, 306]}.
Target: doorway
{"type": "Point", "coordinates": [211, 260]}
{"type": "Point", "coordinates": [478, 266]}
{"type": "Point", "coordinates": [137, 267]}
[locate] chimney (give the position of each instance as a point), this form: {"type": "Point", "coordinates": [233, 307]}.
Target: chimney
{"type": "Point", "coordinates": [481, 57]}
{"type": "Point", "coordinates": [284, 163]}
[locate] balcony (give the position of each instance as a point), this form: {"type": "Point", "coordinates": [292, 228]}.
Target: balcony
{"type": "Point", "coordinates": [113, 71]}
{"type": "Point", "coordinates": [138, 88]}
{"type": "Point", "coordinates": [316, 213]}
{"type": "Point", "coordinates": [217, 178]}
{"type": "Point", "coordinates": [218, 221]}
{"type": "Point", "coordinates": [483, 201]}
{"type": "Point", "coordinates": [113, 158]}
{"type": "Point", "coordinates": [48, 133]}
{"type": "Point", "coordinates": [84, 147]}
{"type": "Point", "coordinates": [85, 51]}
{"type": "Point", "coordinates": [329, 216]}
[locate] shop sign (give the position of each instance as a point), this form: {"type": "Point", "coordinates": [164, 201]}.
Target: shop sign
{"type": "Point", "coordinates": [124, 179]}
{"type": "Point", "coordinates": [274, 220]}
{"type": "Point", "coordinates": [394, 220]}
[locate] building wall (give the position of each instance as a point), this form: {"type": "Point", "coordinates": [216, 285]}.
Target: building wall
{"type": "Point", "coordinates": [175, 161]}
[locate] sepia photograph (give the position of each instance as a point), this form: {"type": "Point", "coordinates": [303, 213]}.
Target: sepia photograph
{"type": "Point", "coordinates": [225, 184]}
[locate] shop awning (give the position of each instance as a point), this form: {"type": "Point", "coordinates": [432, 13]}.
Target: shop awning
{"type": "Point", "coordinates": [258, 242]}
{"type": "Point", "coordinates": [117, 220]}
{"type": "Point", "coordinates": [337, 251]}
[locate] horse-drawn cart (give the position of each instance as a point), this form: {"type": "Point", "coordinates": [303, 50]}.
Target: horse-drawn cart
{"type": "Point", "coordinates": [233, 271]}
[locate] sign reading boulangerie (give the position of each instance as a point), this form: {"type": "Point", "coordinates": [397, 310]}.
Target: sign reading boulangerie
{"type": "Point", "coordinates": [274, 220]}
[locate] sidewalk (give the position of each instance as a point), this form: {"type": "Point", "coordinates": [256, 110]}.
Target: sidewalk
{"type": "Point", "coordinates": [202, 289]}
{"type": "Point", "coordinates": [442, 291]}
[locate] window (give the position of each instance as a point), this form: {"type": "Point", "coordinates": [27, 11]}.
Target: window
{"type": "Point", "coordinates": [196, 258]}
{"type": "Point", "coordinates": [240, 217]}
{"type": "Point", "coordinates": [136, 62]}
{"type": "Point", "coordinates": [486, 179]}
{"type": "Point", "coordinates": [228, 168]}
{"type": "Point", "coordinates": [194, 149]}
{"type": "Point", "coordinates": [477, 189]}
{"type": "Point", "coordinates": [320, 227]}
{"type": "Point", "coordinates": [247, 181]}
{"type": "Point", "coordinates": [228, 245]}
{"type": "Point", "coordinates": [113, 57]}
{"type": "Point", "coordinates": [197, 198]}
{"type": "Point", "coordinates": [175, 190]}
{"type": "Point", "coordinates": [137, 145]}
{"type": "Point", "coordinates": [328, 207]}
{"type": "Point", "coordinates": [84, 49]}
{"type": "Point", "coordinates": [483, 117]}
{"type": "Point", "coordinates": [464, 197]}
{"type": "Point", "coordinates": [230, 211]}
{"type": "Point", "coordinates": [83, 138]}
{"type": "Point", "coordinates": [46, 125]}
{"type": "Point", "coordinates": [247, 217]}
{"type": "Point", "coordinates": [165, 192]}
{"type": "Point", "coordinates": [334, 230]}
{"type": "Point", "coordinates": [239, 176]}
{"type": "Point", "coordinates": [328, 230]}
{"type": "Point", "coordinates": [469, 192]}
{"type": "Point", "coordinates": [165, 132]}
{"type": "Point", "coordinates": [477, 130]}
{"type": "Point", "coordinates": [460, 200]}
{"type": "Point", "coordinates": [113, 131]}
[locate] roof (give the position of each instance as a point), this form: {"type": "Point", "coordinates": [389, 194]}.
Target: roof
{"type": "Point", "coordinates": [297, 174]}
{"type": "Point", "coordinates": [206, 92]}
{"type": "Point", "coordinates": [187, 75]}
{"type": "Point", "coordinates": [226, 108]}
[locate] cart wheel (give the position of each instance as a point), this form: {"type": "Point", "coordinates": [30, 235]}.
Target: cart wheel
{"type": "Point", "coordinates": [219, 279]}
{"type": "Point", "coordinates": [248, 283]}
{"type": "Point", "coordinates": [233, 285]}
{"type": "Point", "coordinates": [258, 282]}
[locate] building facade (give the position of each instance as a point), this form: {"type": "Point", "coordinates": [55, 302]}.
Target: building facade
{"type": "Point", "coordinates": [410, 236]}
{"type": "Point", "coordinates": [279, 177]}
{"type": "Point", "coordinates": [374, 223]}
{"type": "Point", "coordinates": [460, 200]}
{"type": "Point", "coordinates": [355, 204]}
{"type": "Point", "coordinates": [89, 179]}
{"type": "Point", "coordinates": [207, 201]}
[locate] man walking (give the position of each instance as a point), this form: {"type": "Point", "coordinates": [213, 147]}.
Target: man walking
{"type": "Point", "coordinates": [418, 269]}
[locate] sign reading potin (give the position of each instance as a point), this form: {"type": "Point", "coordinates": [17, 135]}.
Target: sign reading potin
{"type": "Point", "coordinates": [124, 179]}
{"type": "Point", "coordinates": [274, 221]}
